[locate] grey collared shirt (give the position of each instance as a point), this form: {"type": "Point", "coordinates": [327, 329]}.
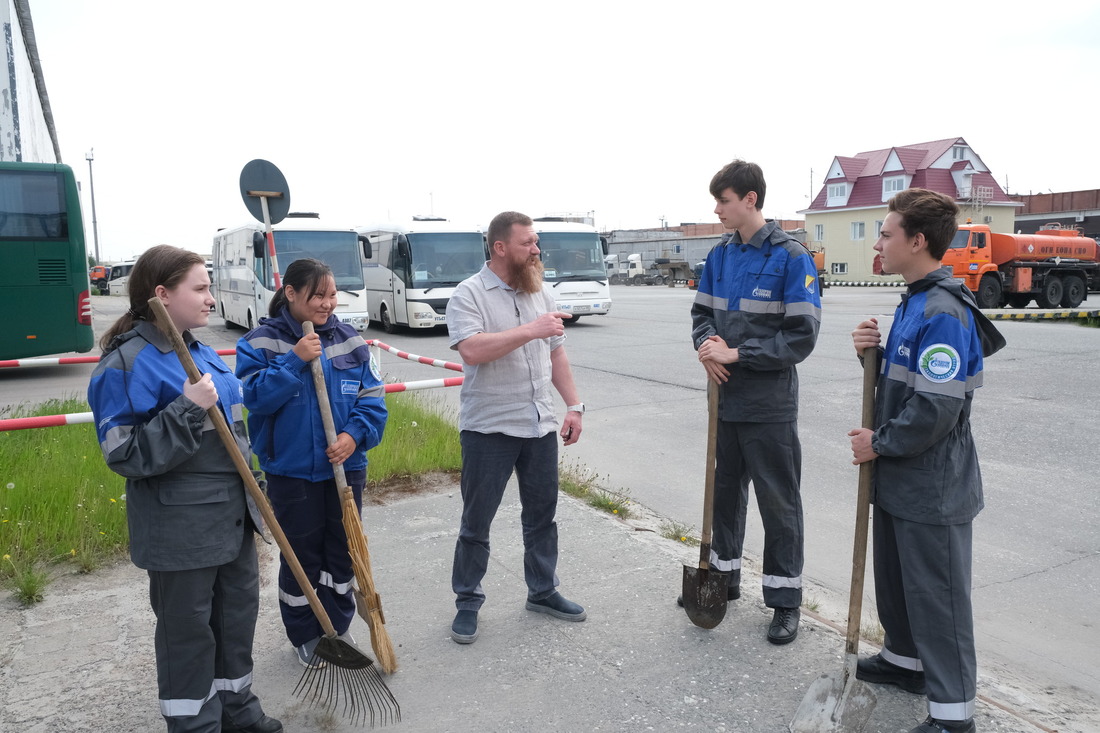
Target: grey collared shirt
{"type": "Point", "coordinates": [511, 395]}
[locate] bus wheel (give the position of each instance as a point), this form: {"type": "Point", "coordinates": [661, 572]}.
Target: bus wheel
{"type": "Point", "coordinates": [387, 324]}
{"type": "Point", "coordinates": [1073, 291]}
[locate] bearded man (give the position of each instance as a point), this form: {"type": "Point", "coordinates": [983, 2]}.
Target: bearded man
{"type": "Point", "coordinates": [511, 339]}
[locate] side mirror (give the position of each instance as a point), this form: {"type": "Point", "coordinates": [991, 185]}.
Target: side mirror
{"type": "Point", "coordinates": [259, 245]}
{"type": "Point", "coordinates": [368, 252]}
{"type": "Point", "coordinates": [603, 245]}
{"type": "Point", "coordinates": [403, 246]}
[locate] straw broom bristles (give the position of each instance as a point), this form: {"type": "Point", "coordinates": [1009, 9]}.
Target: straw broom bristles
{"type": "Point", "coordinates": [367, 601]}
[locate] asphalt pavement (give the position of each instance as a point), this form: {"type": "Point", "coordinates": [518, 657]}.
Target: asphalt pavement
{"type": "Point", "coordinates": [82, 660]}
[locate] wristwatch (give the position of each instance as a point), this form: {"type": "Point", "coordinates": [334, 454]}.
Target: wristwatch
{"type": "Point", "coordinates": [579, 407]}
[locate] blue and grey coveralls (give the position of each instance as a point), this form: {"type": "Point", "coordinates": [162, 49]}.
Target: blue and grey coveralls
{"type": "Point", "coordinates": [928, 487]}
{"type": "Point", "coordinates": [288, 437]}
{"type": "Point", "coordinates": [191, 524]}
{"type": "Point", "coordinates": [762, 298]}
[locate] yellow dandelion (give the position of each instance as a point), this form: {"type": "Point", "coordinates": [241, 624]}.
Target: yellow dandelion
{"type": "Point", "coordinates": [73, 552]}
{"type": "Point", "coordinates": [103, 533]}
{"type": "Point", "coordinates": [7, 557]}
{"type": "Point", "coordinates": [113, 501]}
{"type": "Point", "coordinates": [614, 511]}
{"type": "Point", "coordinates": [683, 539]}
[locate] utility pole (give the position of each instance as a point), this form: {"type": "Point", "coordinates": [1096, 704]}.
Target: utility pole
{"type": "Point", "coordinates": [91, 185]}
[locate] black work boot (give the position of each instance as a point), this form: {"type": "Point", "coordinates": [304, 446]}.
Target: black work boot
{"type": "Point", "coordinates": [877, 669]}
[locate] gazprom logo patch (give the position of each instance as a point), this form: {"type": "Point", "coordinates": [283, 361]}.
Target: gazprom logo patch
{"type": "Point", "coordinates": [939, 363]}
{"type": "Point", "coordinates": [349, 386]}
{"type": "Point", "coordinates": [761, 293]}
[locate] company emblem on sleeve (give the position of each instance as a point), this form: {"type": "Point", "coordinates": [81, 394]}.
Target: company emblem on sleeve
{"type": "Point", "coordinates": [810, 283]}
{"type": "Point", "coordinates": [349, 386]}
{"type": "Point", "coordinates": [374, 369]}
{"type": "Point", "coordinates": [939, 363]}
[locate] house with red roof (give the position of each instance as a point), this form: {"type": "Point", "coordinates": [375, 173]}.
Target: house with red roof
{"type": "Point", "coordinates": [847, 213]}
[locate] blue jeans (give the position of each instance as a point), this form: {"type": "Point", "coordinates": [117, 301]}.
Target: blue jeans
{"type": "Point", "coordinates": [488, 460]}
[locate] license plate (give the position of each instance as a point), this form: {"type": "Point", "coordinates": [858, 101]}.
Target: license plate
{"type": "Point", "coordinates": [581, 309]}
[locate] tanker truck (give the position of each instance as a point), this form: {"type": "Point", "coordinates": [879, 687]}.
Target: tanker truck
{"type": "Point", "coordinates": [1056, 267]}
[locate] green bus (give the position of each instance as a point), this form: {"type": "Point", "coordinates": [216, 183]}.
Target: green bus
{"type": "Point", "coordinates": [44, 293]}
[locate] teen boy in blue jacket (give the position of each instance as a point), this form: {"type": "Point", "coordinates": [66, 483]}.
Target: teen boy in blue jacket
{"type": "Point", "coordinates": [289, 439]}
{"type": "Point", "coordinates": [927, 485]}
{"type": "Point", "coordinates": [756, 315]}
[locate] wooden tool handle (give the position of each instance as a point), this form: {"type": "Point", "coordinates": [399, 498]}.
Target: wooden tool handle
{"type": "Point", "coordinates": [168, 328]}
{"type": "Point", "coordinates": [863, 506]}
{"type": "Point", "coordinates": [708, 493]}
{"type": "Point", "coordinates": [326, 412]}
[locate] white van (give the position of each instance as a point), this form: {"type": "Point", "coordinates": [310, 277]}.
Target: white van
{"type": "Point", "coordinates": [120, 278]}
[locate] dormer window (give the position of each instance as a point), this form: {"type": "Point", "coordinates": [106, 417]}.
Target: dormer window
{"type": "Point", "coordinates": [892, 185]}
{"type": "Point", "coordinates": [958, 152]}
{"type": "Point", "coordinates": [838, 190]}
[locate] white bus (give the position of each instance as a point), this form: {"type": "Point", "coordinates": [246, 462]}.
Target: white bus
{"type": "Point", "coordinates": [573, 267]}
{"type": "Point", "coordinates": [119, 280]}
{"type": "Point", "coordinates": [243, 281]}
{"type": "Point", "coordinates": [411, 269]}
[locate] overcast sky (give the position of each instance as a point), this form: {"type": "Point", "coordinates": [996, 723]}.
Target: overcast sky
{"type": "Point", "coordinates": [376, 110]}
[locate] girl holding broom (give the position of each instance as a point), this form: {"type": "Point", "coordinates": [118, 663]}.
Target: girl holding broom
{"type": "Point", "coordinates": [288, 437]}
{"type": "Point", "coordinates": [191, 526]}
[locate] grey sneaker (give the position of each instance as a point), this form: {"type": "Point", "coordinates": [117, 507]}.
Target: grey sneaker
{"type": "Point", "coordinates": [558, 606]}
{"type": "Point", "coordinates": [464, 627]}
{"type": "Point", "coordinates": [306, 657]}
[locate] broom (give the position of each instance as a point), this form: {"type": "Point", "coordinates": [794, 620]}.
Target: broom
{"type": "Point", "coordinates": [367, 601]}
{"type": "Point", "coordinates": [350, 673]}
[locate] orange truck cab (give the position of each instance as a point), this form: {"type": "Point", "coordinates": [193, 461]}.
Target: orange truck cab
{"type": "Point", "coordinates": [99, 275]}
{"type": "Point", "coordinates": [1056, 267]}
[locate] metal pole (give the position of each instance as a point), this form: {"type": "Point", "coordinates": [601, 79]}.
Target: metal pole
{"type": "Point", "coordinates": [91, 185]}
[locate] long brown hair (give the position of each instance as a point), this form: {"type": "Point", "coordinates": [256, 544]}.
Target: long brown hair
{"type": "Point", "coordinates": [160, 265]}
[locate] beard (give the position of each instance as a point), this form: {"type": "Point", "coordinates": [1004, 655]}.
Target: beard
{"type": "Point", "coordinates": [526, 277]}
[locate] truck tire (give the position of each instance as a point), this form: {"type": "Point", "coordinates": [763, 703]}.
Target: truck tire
{"type": "Point", "coordinates": [1050, 295]}
{"type": "Point", "coordinates": [1019, 300]}
{"type": "Point", "coordinates": [614, 280]}
{"type": "Point", "coordinates": [638, 280]}
{"type": "Point", "coordinates": [989, 292]}
{"type": "Point", "coordinates": [1073, 291]}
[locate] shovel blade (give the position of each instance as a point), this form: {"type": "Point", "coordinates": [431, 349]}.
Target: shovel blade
{"type": "Point", "coordinates": [834, 703]}
{"type": "Point", "coordinates": [704, 595]}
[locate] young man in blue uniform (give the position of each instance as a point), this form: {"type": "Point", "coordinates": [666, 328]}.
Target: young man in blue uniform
{"type": "Point", "coordinates": [927, 486]}
{"type": "Point", "coordinates": [756, 315]}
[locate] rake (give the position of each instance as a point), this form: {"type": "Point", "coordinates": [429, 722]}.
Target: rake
{"type": "Point", "coordinates": [350, 680]}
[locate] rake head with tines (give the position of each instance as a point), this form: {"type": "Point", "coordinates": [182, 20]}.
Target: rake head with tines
{"type": "Point", "coordinates": [349, 684]}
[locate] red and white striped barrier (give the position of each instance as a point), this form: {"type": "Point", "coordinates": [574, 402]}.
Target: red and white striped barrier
{"type": "Point", "coordinates": [73, 360]}
{"type": "Point", "coordinates": [45, 421]}
{"type": "Point", "coordinates": [77, 418]}
{"type": "Point", "coordinates": [413, 357]}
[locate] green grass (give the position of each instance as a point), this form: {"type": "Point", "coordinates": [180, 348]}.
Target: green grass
{"type": "Point", "coordinates": [58, 501]}
{"type": "Point", "coordinates": [679, 532]}
{"type": "Point", "coordinates": [419, 438]}
{"type": "Point", "coordinates": [61, 507]}
{"type": "Point", "coordinates": [580, 483]}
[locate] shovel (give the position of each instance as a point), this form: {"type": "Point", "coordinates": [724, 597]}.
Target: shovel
{"type": "Point", "coordinates": [840, 702]}
{"type": "Point", "coordinates": [704, 589]}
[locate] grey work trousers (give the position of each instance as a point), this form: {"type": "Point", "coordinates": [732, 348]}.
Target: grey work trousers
{"type": "Point", "coordinates": [206, 620]}
{"type": "Point", "coordinates": [922, 588]}
{"type": "Point", "coordinates": [770, 455]}
{"type": "Point", "coordinates": [488, 460]}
